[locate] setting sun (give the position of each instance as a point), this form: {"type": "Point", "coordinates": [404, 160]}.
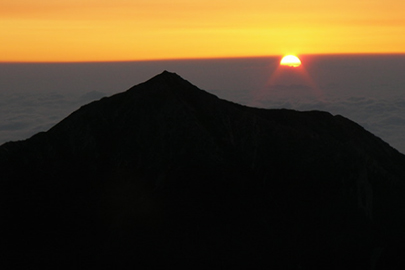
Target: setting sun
{"type": "Point", "coordinates": [291, 61]}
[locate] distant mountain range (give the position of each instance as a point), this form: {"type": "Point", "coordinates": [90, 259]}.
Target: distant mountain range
{"type": "Point", "coordinates": [166, 174]}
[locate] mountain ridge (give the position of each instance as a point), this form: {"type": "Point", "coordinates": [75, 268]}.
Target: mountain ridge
{"type": "Point", "coordinates": [199, 180]}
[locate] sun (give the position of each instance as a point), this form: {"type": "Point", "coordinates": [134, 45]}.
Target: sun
{"type": "Point", "coordinates": [291, 61]}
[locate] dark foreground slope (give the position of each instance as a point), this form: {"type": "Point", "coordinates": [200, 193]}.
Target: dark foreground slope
{"type": "Point", "coordinates": [166, 174]}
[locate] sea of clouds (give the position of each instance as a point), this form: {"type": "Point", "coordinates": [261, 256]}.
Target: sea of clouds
{"type": "Point", "coordinates": [368, 89]}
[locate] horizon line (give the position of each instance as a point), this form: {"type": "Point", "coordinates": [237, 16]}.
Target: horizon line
{"type": "Point", "coordinates": [201, 58]}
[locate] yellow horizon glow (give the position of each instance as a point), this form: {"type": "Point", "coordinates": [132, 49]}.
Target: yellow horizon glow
{"type": "Point", "coordinates": [123, 30]}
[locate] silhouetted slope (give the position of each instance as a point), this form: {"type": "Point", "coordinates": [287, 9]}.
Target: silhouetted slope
{"type": "Point", "coordinates": [167, 174]}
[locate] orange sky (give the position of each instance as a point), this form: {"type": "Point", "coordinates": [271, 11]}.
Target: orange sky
{"type": "Point", "coordinates": [105, 30]}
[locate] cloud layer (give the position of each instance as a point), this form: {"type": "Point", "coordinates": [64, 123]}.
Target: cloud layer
{"type": "Point", "coordinates": [384, 118]}
{"type": "Point", "coordinates": [25, 114]}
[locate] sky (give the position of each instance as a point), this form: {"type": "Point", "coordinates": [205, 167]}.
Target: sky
{"type": "Point", "coordinates": [353, 54]}
{"type": "Point", "coordinates": [125, 30]}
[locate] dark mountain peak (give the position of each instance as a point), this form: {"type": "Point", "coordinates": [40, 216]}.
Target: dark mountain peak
{"type": "Point", "coordinates": [168, 173]}
{"type": "Point", "coordinates": [167, 75]}
{"type": "Point", "coordinates": [168, 79]}
{"type": "Point", "coordinates": [164, 89]}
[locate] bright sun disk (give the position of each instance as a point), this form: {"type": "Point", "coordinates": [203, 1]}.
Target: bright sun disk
{"type": "Point", "coordinates": [291, 61]}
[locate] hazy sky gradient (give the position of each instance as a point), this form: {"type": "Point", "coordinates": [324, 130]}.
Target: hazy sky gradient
{"type": "Point", "coordinates": [90, 30]}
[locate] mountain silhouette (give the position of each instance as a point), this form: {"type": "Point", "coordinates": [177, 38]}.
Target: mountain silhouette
{"type": "Point", "coordinates": [166, 174]}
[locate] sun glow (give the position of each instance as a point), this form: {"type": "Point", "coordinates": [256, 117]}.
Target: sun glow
{"type": "Point", "coordinates": [123, 30]}
{"type": "Point", "coordinates": [291, 61]}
